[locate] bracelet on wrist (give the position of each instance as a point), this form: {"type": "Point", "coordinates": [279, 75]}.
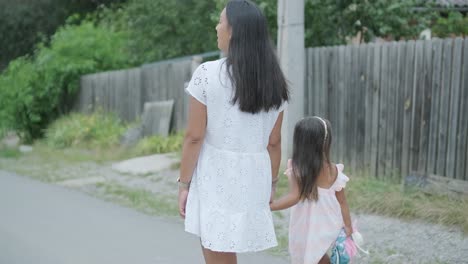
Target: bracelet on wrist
{"type": "Point", "coordinates": [274, 181]}
{"type": "Point", "coordinates": [183, 185]}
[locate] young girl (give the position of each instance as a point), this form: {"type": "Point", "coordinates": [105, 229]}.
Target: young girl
{"type": "Point", "coordinates": [316, 193]}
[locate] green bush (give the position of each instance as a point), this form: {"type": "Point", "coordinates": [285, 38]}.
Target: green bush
{"type": "Point", "coordinates": [453, 25]}
{"type": "Point", "coordinates": [35, 90]}
{"type": "Point", "coordinates": [98, 130]}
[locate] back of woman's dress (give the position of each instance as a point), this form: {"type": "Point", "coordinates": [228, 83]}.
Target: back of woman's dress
{"type": "Point", "coordinates": [228, 201]}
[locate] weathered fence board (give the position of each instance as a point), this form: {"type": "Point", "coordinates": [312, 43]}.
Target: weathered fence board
{"type": "Point", "coordinates": [453, 111]}
{"type": "Point", "coordinates": [435, 98]}
{"type": "Point", "coordinates": [396, 107]}
{"type": "Point", "coordinates": [461, 170]}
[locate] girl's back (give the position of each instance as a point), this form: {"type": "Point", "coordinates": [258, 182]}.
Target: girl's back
{"type": "Point", "coordinates": [316, 224]}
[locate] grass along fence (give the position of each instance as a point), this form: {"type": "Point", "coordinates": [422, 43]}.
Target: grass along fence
{"type": "Point", "coordinates": [395, 107]}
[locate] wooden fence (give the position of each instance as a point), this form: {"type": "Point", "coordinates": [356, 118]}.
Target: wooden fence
{"type": "Point", "coordinates": [394, 107]}
{"type": "Point", "coordinates": [124, 92]}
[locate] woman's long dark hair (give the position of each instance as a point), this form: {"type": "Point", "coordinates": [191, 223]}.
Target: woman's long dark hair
{"type": "Point", "coordinates": [252, 64]}
{"type": "Point", "coordinates": [310, 150]}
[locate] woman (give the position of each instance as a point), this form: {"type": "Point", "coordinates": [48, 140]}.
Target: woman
{"type": "Point", "coordinates": [232, 146]}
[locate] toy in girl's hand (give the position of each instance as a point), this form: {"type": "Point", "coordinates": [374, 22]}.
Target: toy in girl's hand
{"type": "Point", "coordinates": [346, 248]}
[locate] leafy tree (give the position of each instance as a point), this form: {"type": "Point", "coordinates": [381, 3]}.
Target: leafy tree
{"type": "Point", "coordinates": [452, 25]}
{"type": "Point", "coordinates": [36, 89]}
{"type": "Point", "coordinates": [331, 22]}
{"type": "Point", "coordinates": [24, 23]}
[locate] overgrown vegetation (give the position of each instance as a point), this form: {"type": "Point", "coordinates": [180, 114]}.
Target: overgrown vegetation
{"type": "Point", "coordinates": [102, 132]}
{"type": "Point", "coordinates": [24, 23]}
{"type": "Point", "coordinates": [98, 130]}
{"type": "Point", "coordinates": [35, 90]}
{"type": "Point", "coordinates": [159, 144]}
{"type": "Point", "coordinates": [369, 195]}
{"type": "Point", "coordinates": [455, 24]}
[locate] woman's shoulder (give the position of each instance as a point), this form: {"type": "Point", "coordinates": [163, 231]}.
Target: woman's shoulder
{"type": "Point", "coordinates": [211, 65]}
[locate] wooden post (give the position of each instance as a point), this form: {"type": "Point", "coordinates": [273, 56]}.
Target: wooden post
{"type": "Point", "coordinates": [291, 53]}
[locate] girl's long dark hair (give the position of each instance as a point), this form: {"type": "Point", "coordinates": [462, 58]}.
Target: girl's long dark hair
{"type": "Point", "coordinates": [252, 64]}
{"type": "Point", "coordinates": [310, 151]}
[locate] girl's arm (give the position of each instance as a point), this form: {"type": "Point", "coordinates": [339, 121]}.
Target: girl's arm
{"type": "Point", "coordinates": [340, 196]}
{"type": "Point", "coordinates": [290, 199]}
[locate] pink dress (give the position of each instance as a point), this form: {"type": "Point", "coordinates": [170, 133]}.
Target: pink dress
{"type": "Point", "coordinates": [315, 225]}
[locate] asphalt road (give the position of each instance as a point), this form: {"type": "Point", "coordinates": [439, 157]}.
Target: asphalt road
{"type": "Point", "coordinates": [43, 223]}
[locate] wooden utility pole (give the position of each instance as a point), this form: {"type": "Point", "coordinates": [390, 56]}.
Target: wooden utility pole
{"type": "Point", "coordinates": [291, 53]}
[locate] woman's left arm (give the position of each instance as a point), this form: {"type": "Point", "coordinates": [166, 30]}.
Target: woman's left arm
{"type": "Point", "coordinates": [193, 140]}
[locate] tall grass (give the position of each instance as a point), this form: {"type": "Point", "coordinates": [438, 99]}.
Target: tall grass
{"type": "Point", "coordinates": [97, 130]}
{"type": "Point", "coordinates": [370, 195]}
{"type": "Point", "coordinates": [159, 144]}
{"type": "Point", "coordinates": [101, 134]}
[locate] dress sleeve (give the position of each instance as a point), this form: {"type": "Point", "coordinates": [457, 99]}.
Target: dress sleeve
{"type": "Point", "coordinates": [198, 84]}
{"type": "Point", "coordinates": [283, 106]}
{"type": "Point", "coordinates": [341, 179]}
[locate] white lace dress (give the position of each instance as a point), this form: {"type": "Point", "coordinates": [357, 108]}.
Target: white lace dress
{"type": "Point", "coordinates": [228, 201]}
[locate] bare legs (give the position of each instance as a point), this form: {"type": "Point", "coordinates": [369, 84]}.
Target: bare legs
{"type": "Point", "coordinates": [324, 260]}
{"type": "Point", "coordinates": [213, 257]}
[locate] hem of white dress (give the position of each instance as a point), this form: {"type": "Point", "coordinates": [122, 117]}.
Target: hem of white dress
{"type": "Point", "coordinates": [245, 250]}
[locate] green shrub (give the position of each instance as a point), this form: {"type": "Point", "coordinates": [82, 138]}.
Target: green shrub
{"type": "Point", "coordinates": [98, 130]}
{"type": "Point", "coordinates": [6, 152]}
{"type": "Point", "coordinates": [35, 90]}
{"type": "Point", "coordinates": [453, 25]}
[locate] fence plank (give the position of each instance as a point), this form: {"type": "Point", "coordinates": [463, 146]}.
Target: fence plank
{"type": "Point", "coordinates": [435, 97]}
{"type": "Point", "coordinates": [348, 104]}
{"type": "Point", "coordinates": [383, 114]}
{"type": "Point", "coordinates": [360, 106]}
{"type": "Point", "coordinates": [409, 76]}
{"type": "Point", "coordinates": [306, 82]}
{"type": "Point", "coordinates": [444, 106]}
{"type": "Point", "coordinates": [399, 105]}
{"type": "Point", "coordinates": [426, 105]}
{"type": "Point", "coordinates": [461, 171]}
{"type": "Point", "coordinates": [352, 105]}
{"type": "Point", "coordinates": [376, 89]}
{"type": "Point", "coordinates": [334, 98]}
{"type": "Point", "coordinates": [391, 109]}
{"type": "Point", "coordinates": [310, 81]}
{"type": "Point", "coordinates": [85, 101]}
{"type": "Point", "coordinates": [418, 91]}
{"type": "Point", "coordinates": [454, 105]}
{"type": "Point", "coordinates": [341, 106]}
{"type": "Point", "coordinates": [316, 81]}
{"type": "Point", "coordinates": [324, 69]}
{"type": "Point", "coordinates": [368, 107]}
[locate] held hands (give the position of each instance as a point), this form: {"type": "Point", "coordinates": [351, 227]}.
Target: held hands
{"type": "Point", "coordinates": [278, 204]}
{"type": "Point", "coordinates": [273, 192]}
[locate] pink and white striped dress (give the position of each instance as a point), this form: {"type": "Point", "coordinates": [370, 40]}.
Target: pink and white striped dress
{"type": "Point", "coordinates": [315, 225]}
